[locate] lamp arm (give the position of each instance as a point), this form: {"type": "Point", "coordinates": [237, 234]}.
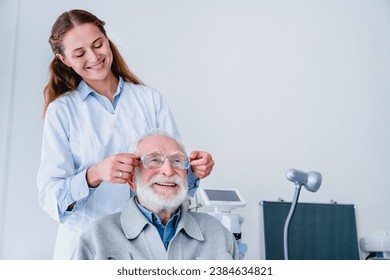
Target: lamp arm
{"type": "Point", "coordinates": [288, 219]}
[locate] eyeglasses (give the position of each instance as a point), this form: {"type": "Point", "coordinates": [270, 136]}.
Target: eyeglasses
{"type": "Point", "coordinates": [154, 161]}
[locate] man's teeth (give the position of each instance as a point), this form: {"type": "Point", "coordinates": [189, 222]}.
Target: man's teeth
{"type": "Point", "coordinates": [166, 184]}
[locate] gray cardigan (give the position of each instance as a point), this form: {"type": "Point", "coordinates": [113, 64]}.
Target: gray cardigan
{"type": "Point", "coordinates": [129, 235]}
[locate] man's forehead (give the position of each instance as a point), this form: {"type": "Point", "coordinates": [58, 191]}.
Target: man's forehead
{"type": "Point", "coordinates": [159, 144]}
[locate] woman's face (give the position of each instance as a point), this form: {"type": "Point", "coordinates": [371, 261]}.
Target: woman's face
{"type": "Point", "coordinates": [88, 52]}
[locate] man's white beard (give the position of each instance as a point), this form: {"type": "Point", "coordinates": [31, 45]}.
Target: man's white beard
{"type": "Point", "coordinates": [157, 202]}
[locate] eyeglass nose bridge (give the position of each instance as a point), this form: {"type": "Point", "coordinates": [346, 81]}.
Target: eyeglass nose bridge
{"type": "Point", "coordinates": [163, 158]}
{"type": "Point", "coordinates": [173, 165]}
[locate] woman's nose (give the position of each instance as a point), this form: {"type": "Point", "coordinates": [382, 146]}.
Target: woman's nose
{"type": "Point", "coordinates": [92, 56]}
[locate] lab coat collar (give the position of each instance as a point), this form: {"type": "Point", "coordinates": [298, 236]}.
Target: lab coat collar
{"type": "Point", "coordinates": [85, 90]}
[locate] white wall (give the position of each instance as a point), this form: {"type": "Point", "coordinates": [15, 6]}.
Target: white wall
{"type": "Point", "coordinates": [262, 85]}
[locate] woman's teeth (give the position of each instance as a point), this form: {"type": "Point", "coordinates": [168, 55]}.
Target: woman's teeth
{"type": "Point", "coordinates": [96, 66]}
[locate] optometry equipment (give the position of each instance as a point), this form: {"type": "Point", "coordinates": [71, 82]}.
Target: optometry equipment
{"type": "Point", "coordinates": [377, 245]}
{"type": "Point", "coordinates": [154, 161]}
{"type": "Point", "coordinates": [224, 201]}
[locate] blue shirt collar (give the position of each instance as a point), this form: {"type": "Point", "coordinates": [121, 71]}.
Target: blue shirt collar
{"type": "Point", "coordinates": [85, 90]}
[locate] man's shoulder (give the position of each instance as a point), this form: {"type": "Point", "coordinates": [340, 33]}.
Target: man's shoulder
{"type": "Point", "coordinates": [104, 224]}
{"type": "Point", "coordinates": [211, 227]}
{"type": "Point", "coordinates": [205, 218]}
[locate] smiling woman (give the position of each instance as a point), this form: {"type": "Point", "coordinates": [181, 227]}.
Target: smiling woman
{"type": "Point", "coordinates": [75, 34]}
{"type": "Point", "coordinates": [95, 109]}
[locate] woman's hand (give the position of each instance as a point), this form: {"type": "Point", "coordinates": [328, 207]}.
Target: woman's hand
{"type": "Point", "coordinates": [201, 163]}
{"type": "Point", "coordinates": [114, 169]}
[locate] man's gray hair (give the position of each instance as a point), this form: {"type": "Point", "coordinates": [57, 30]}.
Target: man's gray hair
{"type": "Point", "coordinates": [154, 132]}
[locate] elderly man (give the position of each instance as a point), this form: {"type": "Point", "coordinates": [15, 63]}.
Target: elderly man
{"type": "Point", "coordinates": [156, 225]}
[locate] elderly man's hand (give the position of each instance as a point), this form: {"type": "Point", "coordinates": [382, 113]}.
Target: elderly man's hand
{"type": "Point", "coordinates": [201, 163]}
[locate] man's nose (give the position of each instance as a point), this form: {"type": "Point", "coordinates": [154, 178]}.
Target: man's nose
{"type": "Point", "coordinates": [167, 168]}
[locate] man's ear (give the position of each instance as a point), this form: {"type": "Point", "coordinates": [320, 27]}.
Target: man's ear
{"type": "Point", "coordinates": [62, 58]}
{"type": "Point", "coordinates": [131, 182]}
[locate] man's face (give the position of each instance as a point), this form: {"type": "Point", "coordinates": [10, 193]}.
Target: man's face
{"type": "Point", "coordinates": [162, 188]}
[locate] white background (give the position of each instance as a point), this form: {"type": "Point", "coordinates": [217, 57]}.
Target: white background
{"type": "Point", "coordinates": [264, 86]}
